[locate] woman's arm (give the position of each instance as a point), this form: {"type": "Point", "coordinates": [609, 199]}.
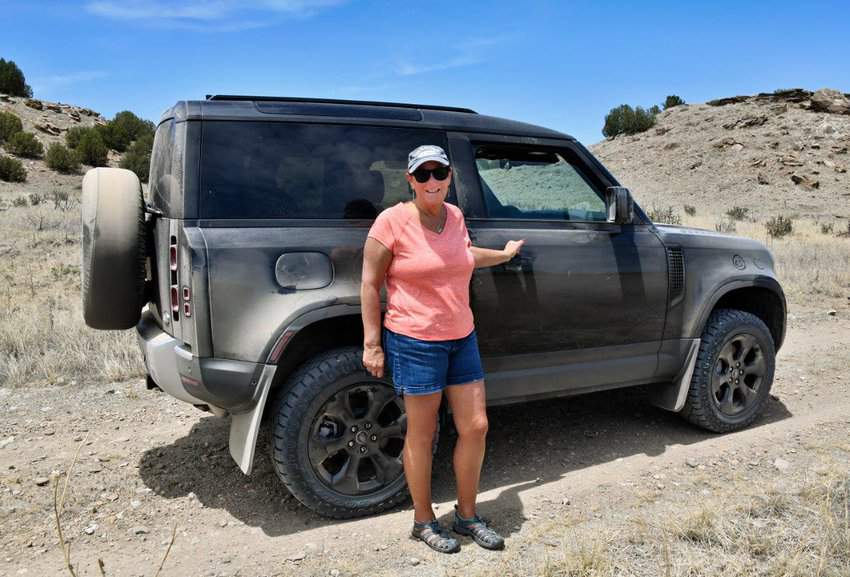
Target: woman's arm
{"type": "Point", "coordinates": [485, 257]}
{"type": "Point", "coordinates": [376, 260]}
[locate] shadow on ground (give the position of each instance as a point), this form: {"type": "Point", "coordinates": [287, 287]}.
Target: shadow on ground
{"type": "Point", "coordinates": [528, 444]}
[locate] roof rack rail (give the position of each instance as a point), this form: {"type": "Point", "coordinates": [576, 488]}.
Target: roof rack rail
{"type": "Point", "coordinates": [244, 98]}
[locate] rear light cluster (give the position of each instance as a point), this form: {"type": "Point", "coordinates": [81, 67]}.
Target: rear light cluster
{"type": "Point", "coordinates": [179, 299]}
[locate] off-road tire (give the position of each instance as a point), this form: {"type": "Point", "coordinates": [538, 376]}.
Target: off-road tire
{"type": "Point", "coordinates": [113, 249]}
{"type": "Point", "coordinates": [294, 414]}
{"type": "Point", "coordinates": [701, 407]}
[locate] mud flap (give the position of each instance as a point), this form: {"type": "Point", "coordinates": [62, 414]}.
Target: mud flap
{"type": "Point", "coordinates": [672, 397]}
{"type": "Point", "coordinates": [245, 427]}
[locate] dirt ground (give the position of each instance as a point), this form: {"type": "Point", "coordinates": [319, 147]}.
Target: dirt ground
{"type": "Point", "coordinates": [556, 472]}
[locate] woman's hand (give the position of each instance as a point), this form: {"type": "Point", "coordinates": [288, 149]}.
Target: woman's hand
{"type": "Point", "coordinates": [513, 247]}
{"type": "Point", "coordinates": [373, 360]}
{"type": "Point", "coordinates": [485, 257]}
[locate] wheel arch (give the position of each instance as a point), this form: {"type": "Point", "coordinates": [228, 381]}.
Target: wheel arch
{"type": "Point", "coordinates": [761, 296]}
{"type": "Point", "coordinates": [308, 335]}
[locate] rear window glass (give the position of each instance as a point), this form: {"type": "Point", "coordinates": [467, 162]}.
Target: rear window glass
{"type": "Point", "coordinates": [287, 170]}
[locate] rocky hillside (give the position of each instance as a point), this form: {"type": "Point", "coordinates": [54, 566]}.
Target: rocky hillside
{"type": "Point", "coordinates": [786, 152]}
{"type": "Point", "coordinates": [49, 121]}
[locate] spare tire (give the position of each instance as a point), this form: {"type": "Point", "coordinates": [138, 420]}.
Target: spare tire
{"type": "Point", "coordinates": [113, 265]}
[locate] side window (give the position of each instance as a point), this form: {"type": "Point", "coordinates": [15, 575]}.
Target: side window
{"type": "Point", "coordinates": [529, 183]}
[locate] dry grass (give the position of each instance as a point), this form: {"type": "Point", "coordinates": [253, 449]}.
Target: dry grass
{"type": "Point", "coordinates": [798, 528]}
{"type": "Point", "coordinates": [809, 263]}
{"type": "Point", "coordinates": [43, 338]}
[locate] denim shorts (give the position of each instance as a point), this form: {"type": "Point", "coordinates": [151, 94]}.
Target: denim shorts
{"type": "Point", "coordinates": [423, 367]}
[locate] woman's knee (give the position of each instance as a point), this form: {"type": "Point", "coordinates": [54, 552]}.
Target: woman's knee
{"type": "Point", "coordinates": [475, 427]}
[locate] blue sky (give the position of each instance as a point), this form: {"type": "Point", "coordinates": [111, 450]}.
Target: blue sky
{"type": "Point", "coordinates": [559, 64]}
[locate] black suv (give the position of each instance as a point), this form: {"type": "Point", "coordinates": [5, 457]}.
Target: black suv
{"type": "Point", "coordinates": [242, 274]}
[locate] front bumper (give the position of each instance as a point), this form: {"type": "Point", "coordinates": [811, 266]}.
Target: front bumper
{"type": "Point", "coordinates": [222, 383]}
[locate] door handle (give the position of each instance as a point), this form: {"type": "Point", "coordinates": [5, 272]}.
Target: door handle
{"type": "Point", "coordinates": [519, 263]}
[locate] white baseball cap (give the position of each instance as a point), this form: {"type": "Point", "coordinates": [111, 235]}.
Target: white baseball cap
{"type": "Point", "coordinates": [426, 153]}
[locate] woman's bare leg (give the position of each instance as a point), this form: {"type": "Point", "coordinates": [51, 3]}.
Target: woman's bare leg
{"type": "Point", "coordinates": [468, 405]}
{"type": "Point", "coordinates": [418, 443]}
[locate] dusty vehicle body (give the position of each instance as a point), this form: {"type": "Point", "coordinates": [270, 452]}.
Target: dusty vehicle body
{"type": "Point", "coordinates": [252, 250]}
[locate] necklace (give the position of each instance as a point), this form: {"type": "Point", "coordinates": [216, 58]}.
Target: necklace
{"type": "Point", "coordinates": [425, 219]}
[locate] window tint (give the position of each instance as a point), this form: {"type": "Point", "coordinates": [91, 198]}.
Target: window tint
{"type": "Point", "coordinates": [536, 184]}
{"type": "Point", "coordinates": [163, 181]}
{"type": "Point", "coordinates": [287, 170]}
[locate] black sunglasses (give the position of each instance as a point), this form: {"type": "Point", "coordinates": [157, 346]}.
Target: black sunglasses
{"type": "Point", "coordinates": [422, 175]}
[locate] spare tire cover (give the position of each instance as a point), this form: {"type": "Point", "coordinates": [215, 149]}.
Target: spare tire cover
{"type": "Point", "coordinates": [113, 248]}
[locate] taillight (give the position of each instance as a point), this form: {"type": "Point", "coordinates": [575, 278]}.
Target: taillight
{"type": "Point", "coordinates": [187, 302]}
{"type": "Point", "coordinates": [175, 291]}
{"type": "Point", "coordinates": [175, 301]}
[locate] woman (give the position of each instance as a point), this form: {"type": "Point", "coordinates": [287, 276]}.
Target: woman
{"type": "Point", "coordinates": [423, 252]}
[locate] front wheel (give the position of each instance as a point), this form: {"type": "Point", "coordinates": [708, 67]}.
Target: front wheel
{"type": "Point", "coordinates": [338, 434]}
{"type": "Point", "coordinates": [733, 373]}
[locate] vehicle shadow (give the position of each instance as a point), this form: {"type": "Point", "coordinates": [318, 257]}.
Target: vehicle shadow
{"type": "Point", "coordinates": [527, 445]}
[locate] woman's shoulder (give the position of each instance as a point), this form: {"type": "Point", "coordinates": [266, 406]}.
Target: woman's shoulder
{"type": "Point", "coordinates": [454, 210]}
{"type": "Point", "coordinates": [398, 212]}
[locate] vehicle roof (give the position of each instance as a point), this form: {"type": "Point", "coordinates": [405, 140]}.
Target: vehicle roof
{"type": "Point", "coordinates": [265, 108]}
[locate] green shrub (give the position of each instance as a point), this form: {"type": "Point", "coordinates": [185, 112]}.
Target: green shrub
{"type": "Point", "coordinates": [9, 125]}
{"type": "Point", "coordinates": [664, 215]}
{"type": "Point", "coordinates": [75, 134]}
{"type": "Point", "coordinates": [11, 170]}
{"type": "Point", "coordinates": [91, 149]}
{"type": "Point", "coordinates": [627, 120]}
{"type": "Point", "coordinates": [779, 226]}
{"type": "Point", "coordinates": [25, 144]}
{"type": "Point", "coordinates": [690, 210]}
{"type": "Point", "coordinates": [62, 159]}
{"type": "Point", "coordinates": [125, 128]}
{"type": "Point", "coordinates": [12, 80]}
{"type": "Point", "coordinates": [138, 157]}
{"type": "Point", "coordinates": [672, 101]}
{"type": "Point", "coordinates": [36, 198]}
{"type": "Point", "coordinates": [20, 200]}
{"type": "Point", "coordinates": [738, 213]}
{"type": "Point", "coordinates": [826, 228]}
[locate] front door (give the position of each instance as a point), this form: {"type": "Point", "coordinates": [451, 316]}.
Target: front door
{"type": "Point", "coordinates": [583, 306]}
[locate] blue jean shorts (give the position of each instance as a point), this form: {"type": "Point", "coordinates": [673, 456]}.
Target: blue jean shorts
{"type": "Point", "coordinates": [422, 367]}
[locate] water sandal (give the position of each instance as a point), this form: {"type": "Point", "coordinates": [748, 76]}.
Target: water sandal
{"type": "Point", "coordinates": [435, 537]}
{"type": "Point", "coordinates": [477, 528]}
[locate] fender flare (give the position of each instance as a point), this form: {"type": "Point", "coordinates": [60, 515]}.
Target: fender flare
{"type": "Point", "coordinates": [755, 281]}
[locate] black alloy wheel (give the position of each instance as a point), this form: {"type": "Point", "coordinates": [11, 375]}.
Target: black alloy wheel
{"type": "Point", "coordinates": [733, 373]}
{"type": "Point", "coordinates": [357, 437]}
{"type": "Point", "coordinates": [338, 435]}
{"type": "Point", "coordinates": [739, 372]}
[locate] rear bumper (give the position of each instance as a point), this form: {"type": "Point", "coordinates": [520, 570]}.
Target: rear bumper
{"type": "Point", "coordinates": [222, 383]}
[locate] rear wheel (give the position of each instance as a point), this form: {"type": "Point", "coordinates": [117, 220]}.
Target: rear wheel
{"type": "Point", "coordinates": [338, 435]}
{"type": "Point", "coordinates": [733, 373]}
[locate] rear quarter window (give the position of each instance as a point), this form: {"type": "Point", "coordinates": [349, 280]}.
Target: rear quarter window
{"type": "Point", "coordinates": [166, 174]}
{"type": "Point", "coordinates": [261, 170]}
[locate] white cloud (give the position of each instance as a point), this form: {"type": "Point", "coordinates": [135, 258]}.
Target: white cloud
{"type": "Point", "coordinates": [45, 84]}
{"type": "Point", "coordinates": [466, 53]}
{"type": "Point", "coordinates": [216, 15]}
{"type": "Point", "coordinates": [410, 69]}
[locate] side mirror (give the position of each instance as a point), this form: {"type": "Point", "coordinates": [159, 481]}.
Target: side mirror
{"type": "Point", "coordinates": [621, 207]}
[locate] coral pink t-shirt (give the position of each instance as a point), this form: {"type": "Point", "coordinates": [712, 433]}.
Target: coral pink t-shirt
{"type": "Point", "coordinates": [428, 277]}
